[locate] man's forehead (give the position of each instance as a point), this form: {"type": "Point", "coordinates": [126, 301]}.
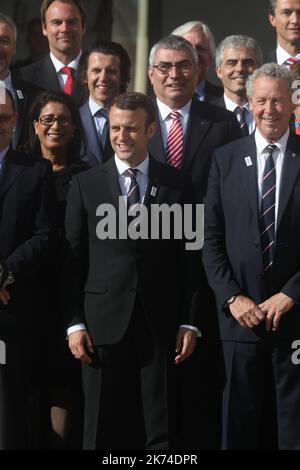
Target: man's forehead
{"type": "Point", "coordinates": [166, 53]}
{"type": "Point", "coordinates": [6, 29]}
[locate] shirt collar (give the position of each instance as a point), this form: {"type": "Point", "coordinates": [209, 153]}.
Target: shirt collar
{"type": "Point", "coordinates": [283, 55]}
{"type": "Point", "coordinates": [94, 107]}
{"type": "Point", "coordinates": [200, 89]}
{"type": "Point", "coordinates": [2, 154]}
{"type": "Point", "coordinates": [58, 65]}
{"type": "Point", "coordinates": [261, 142]}
{"type": "Point", "coordinates": [7, 82]}
{"type": "Point", "coordinates": [166, 110]}
{"type": "Point", "coordinates": [231, 105]}
{"type": "Point", "coordinates": [122, 166]}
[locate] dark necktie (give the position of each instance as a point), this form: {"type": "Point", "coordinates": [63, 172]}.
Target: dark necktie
{"type": "Point", "coordinates": [174, 151]}
{"type": "Point", "coordinates": [68, 87]}
{"type": "Point", "coordinates": [133, 195]}
{"type": "Point", "coordinates": [267, 216]}
{"type": "Point", "coordinates": [103, 135]}
{"type": "Point", "coordinates": [240, 114]}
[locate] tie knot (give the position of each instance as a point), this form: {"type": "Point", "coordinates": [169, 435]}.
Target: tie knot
{"type": "Point", "coordinates": [271, 148]}
{"type": "Point", "coordinates": [240, 111]}
{"type": "Point", "coordinates": [132, 173]}
{"type": "Point", "coordinates": [67, 71]}
{"type": "Point", "coordinates": [175, 116]}
{"type": "Point", "coordinates": [102, 113]}
{"type": "Point", "coordinates": [291, 62]}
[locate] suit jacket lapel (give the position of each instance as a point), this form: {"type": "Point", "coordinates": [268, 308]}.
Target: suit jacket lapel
{"type": "Point", "coordinates": [155, 145]}
{"type": "Point", "coordinates": [92, 141]}
{"type": "Point", "coordinates": [152, 184]}
{"type": "Point", "coordinates": [290, 172]}
{"type": "Point", "coordinates": [197, 128]}
{"type": "Point", "coordinates": [248, 165]}
{"type": "Point", "coordinates": [47, 75]}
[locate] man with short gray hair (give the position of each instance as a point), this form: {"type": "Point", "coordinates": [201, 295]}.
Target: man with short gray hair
{"type": "Point", "coordinates": [252, 261]}
{"type": "Point", "coordinates": [201, 37]}
{"type": "Point", "coordinates": [236, 58]}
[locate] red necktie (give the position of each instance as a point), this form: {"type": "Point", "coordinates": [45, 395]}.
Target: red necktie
{"type": "Point", "coordinates": [291, 62]}
{"type": "Point", "coordinates": [174, 151]}
{"type": "Point", "coordinates": [70, 80]}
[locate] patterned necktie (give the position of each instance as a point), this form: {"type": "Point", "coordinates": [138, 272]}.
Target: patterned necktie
{"type": "Point", "coordinates": [103, 135]}
{"type": "Point", "coordinates": [291, 62]}
{"type": "Point", "coordinates": [174, 151]}
{"type": "Point", "coordinates": [68, 87]}
{"type": "Point", "coordinates": [133, 194]}
{"type": "Point", "coordinates": [267, 216]}
{"type": "Point", "coordinates": [240, 114]}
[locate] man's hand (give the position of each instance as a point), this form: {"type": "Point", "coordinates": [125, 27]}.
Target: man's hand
{"type": "Point", "coordinates": [274, 308]}
{"type": "Point", "coordinates": [185, 343]}
{"type": "Point", "coordinates": [78, 342]}
{"type": "Point", "coordinates": [246, 312]}
{"type": "Point", "coordinates": [4, 296]}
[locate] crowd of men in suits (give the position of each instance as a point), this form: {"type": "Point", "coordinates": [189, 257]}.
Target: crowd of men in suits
{"type": "Point", "coordinates": [197, 344]}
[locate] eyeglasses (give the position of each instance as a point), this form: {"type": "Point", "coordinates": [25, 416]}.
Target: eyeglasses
{"type": "Point", "coordinates": [5, 119]}
{"type": "Point", "coordinates": [49, 120]}
{"type": "Point", "coordinates": [166, 67]}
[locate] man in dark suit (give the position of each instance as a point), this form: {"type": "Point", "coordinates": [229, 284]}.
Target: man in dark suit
{"type": "Point", "coordinates": [105, 70]}
{"type": "Point", "coordinates": [237, 57]}
{"type": "Point", "coordinates": [201, 37]}
{"type": "Point", "coordinates": [130, 302]}
{"type": "Point", "coordinates": [251, 257]}
{"type": "Point", "coordinates": [173, 74]}
{"type": "Point", "coordinates": [64, 25]}
{"type": "Point", "coordinates": [284, 16]}
{"type": "Point", "coordinates": [26, 227]}
{"type": "Point", "coordinates": [22, 92]}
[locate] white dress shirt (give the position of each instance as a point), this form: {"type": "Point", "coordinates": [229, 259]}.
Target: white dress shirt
{"type": "Point", "coordinates": [58, 65]}
{"type": "Point", "coordinates": [278, 156]}
{"type": "Point", "coordinates": [165, 119]}
{"type": "Point", "coordinates": [231, 105]}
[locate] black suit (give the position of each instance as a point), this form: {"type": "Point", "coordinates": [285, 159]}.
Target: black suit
{"type": "Point", "coordinates": [26, 228]}
{"type": "Point", "coordinates": [43, 74]}
{"type": "Point", "coordinates": [24, 93]}
{"type": "Point", "coordinates": [208, 127]}
{"type": "Point", "coordinates": [211, 92]}
{"type": "Point", "coordinates": [233, 263]}
{"type": "Point", "coordinates": [92, 151]}
{"type": "Point", "coordinates": [133, 292]}
{"type": "Point", "coordinates": [271, 56]}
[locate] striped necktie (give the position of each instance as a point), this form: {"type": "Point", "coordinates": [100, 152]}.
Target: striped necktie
{"type": "Point", "coordinates": [240, 114]}
{"type": "Point", "coordinates": [102, 113]}
{"type": "Point", "coordinates": [133, 194]}
{"type": "Point", "coordinates": [174, 151]}
{"type": "Point", "coordinates": [267, 215]}
{"type": "Point", "coordinates": [291, 62]}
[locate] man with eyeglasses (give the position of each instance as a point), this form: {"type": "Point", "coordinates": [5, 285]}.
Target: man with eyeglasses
{"type": "Point", "coordinates": [27, 217]}
{"type": "Point", "coordinates": [187, 133]}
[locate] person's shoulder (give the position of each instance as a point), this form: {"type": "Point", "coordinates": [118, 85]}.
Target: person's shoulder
{"type": "Point", "coordinates": [167, 174]}
{"type": "Point", "coordinates": [31, 69]}
{"type": "Point", "coordinates": [211, 112]}
{"type": "Point", "coordinates": [232, 150]}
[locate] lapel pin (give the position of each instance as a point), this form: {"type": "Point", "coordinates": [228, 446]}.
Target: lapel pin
{"type": "Point", "coordinates": [294, 154]}
{"type": "Point", "coordinates": [153, 191]}
{"type": "Point", "coordinates": [248, 161]}
{"type": "Point", "coordinates": [20, 94]}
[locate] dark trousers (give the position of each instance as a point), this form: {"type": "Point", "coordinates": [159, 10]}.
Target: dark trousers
{"type": "Point", "coordinates": [132, 380]}
{"type": "Point", "coordinates": [247, 382]}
